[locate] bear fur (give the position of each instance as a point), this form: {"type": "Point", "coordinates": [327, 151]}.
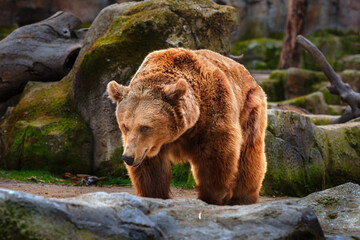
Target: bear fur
{"type": "Point", "coordinates": [195, 106]}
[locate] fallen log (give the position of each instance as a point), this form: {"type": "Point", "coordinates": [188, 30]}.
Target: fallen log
{"type": "Point", "coordinates": [337, 87]}
{"type": "Point", "coordinates": [43, 51]}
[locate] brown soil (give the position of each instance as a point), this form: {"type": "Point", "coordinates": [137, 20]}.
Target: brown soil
{"type": "Point", "coordinates": [68, 191]}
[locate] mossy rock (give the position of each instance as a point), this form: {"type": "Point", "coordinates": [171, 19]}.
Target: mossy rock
{"type": "Point", "coordinates": [314, 103]}
{"type": "Point", "coordinates": [295, 165]}
{"type": "Point", "coordinates": [19, 222]}
{"type": "Point", "coordinates": [295, 82]}
{"type": "Point", "coordinates": [303, 158]}
{"type": "Point", "coordinates": [301, 82]}
{"type": "Point", "coordinates": [320, 102]}
{"type": "Point", "coordinates": [260, 53]}
{"type": "Point", "coordinates": [275, 86]}
{"type": "Point", "coordinates": [331, 99]}
{"type": "Point", "coordinates": [321, 119]}
{"type": "Point", "coordinates": [350, 62]}
{"type": "Point", "coordinates": [45, 132]}
{"type": "Point", "coordinates": [154, 25]}
{"type": "Point", "coordinates": [340, 147]}
{"type": "Point", "coordinates": [334, 45]}
{"type": "Point", "coordinates": [132, 31]}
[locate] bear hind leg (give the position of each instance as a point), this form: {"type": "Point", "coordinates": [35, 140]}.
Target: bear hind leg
{"type": "Point", "coordinates": [215, 167]}
{"type": "Point", "coordinates": [252, 161]}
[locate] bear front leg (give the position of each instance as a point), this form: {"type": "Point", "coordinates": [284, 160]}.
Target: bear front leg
{"type": "Point", "coordinates": [152, 178]}
{"type": "Point", "coordinates": [215, 167]}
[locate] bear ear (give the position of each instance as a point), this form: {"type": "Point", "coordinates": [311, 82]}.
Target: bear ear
{"type": "Point", "coordinates": [175, 91]}
{"type": "Point", "coordinates": [116, 91]}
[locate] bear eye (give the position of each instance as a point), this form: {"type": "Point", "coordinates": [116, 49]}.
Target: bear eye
{"type": "Point", "coordinates": [144, 129]}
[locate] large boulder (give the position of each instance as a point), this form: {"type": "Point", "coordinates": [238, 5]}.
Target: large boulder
{"type": "Point", "coordinates": [123, 216]}
{"type": "Point", "coordinates": [313, 103]}
{"type": "Point", "coordinates": [304, 158]}
{"type": "Point", "coordinates": [44, 132]}
{"type": "Point", "coordinates": [340, 148]}
{"type": "Point", "coordinates": [337, 210]}
{"type": "Point", "coordinates": [118, 41]}
{"type": "Point", "coordinates": [293, 82]}
{"type": "Point", "coordinates": [295, 164]}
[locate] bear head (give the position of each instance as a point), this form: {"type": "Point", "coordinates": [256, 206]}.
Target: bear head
{"type": "Point", "coordinates": [150, 117]}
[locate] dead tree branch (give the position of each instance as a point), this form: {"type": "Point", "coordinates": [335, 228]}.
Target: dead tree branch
{"type": "Point", "coordinates": [338, 87]}
{"type": "Point", "coordinates": [43, 51]}
{"type": "Point", "coordinates": [236, 58]}
{"type": "Point", "coordinates": [291, 52]}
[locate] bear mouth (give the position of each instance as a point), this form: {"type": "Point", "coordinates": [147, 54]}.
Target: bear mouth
{"type": "Point", "coordinates": [141, 159]}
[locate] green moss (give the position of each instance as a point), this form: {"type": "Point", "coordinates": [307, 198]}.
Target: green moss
{"type": "Point", "coordinates": [18, 223]}
{"type": "Point", "coordinates": [314, 103]}
{"type": "Point", "coordinates": [26, 175]}
{"type": "Point", "coordinates": [336, 110]}
{"type": "Point", "coordinates": [330, 98]}
{"type": "Point", "coordinates": [274, 87]}
{"type": "Point", "coordinates": [45, 132]}
{"type": "Point", "coordinates": [128, 40]}
{"type": "Point", "coordinates": [320, 121]}
{"type": "Point", "coordinates": [280, 183]}
{"type": "Point", "coordinates": [21, 222]}
{"type": "Point", "coordinates": [340, 148]}
{"type": "Point", "coordinates": [50, 99]}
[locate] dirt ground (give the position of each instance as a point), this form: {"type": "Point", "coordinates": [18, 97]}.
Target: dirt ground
{"type": "Point", "coordinates": [69, 191]}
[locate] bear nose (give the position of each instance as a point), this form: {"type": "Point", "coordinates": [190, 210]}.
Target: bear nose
{"type": "Point", "coordinates": [129, 160]}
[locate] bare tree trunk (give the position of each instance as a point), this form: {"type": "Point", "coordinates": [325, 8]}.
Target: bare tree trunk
{"type": "Point", "coordinates": [291, 52]}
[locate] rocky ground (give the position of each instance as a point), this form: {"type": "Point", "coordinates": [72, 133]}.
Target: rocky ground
{"type": "Point", "coordinates": [69, 191]}
{"type": "Point", "coordinates": [331, 214]}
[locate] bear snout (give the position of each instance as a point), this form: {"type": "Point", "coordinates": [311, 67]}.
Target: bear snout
{"type": "Point", "coordinates": [128, 160]}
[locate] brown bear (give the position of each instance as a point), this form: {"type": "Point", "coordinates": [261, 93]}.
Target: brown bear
{"type": "Point", "coordinates": [195, 106]}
